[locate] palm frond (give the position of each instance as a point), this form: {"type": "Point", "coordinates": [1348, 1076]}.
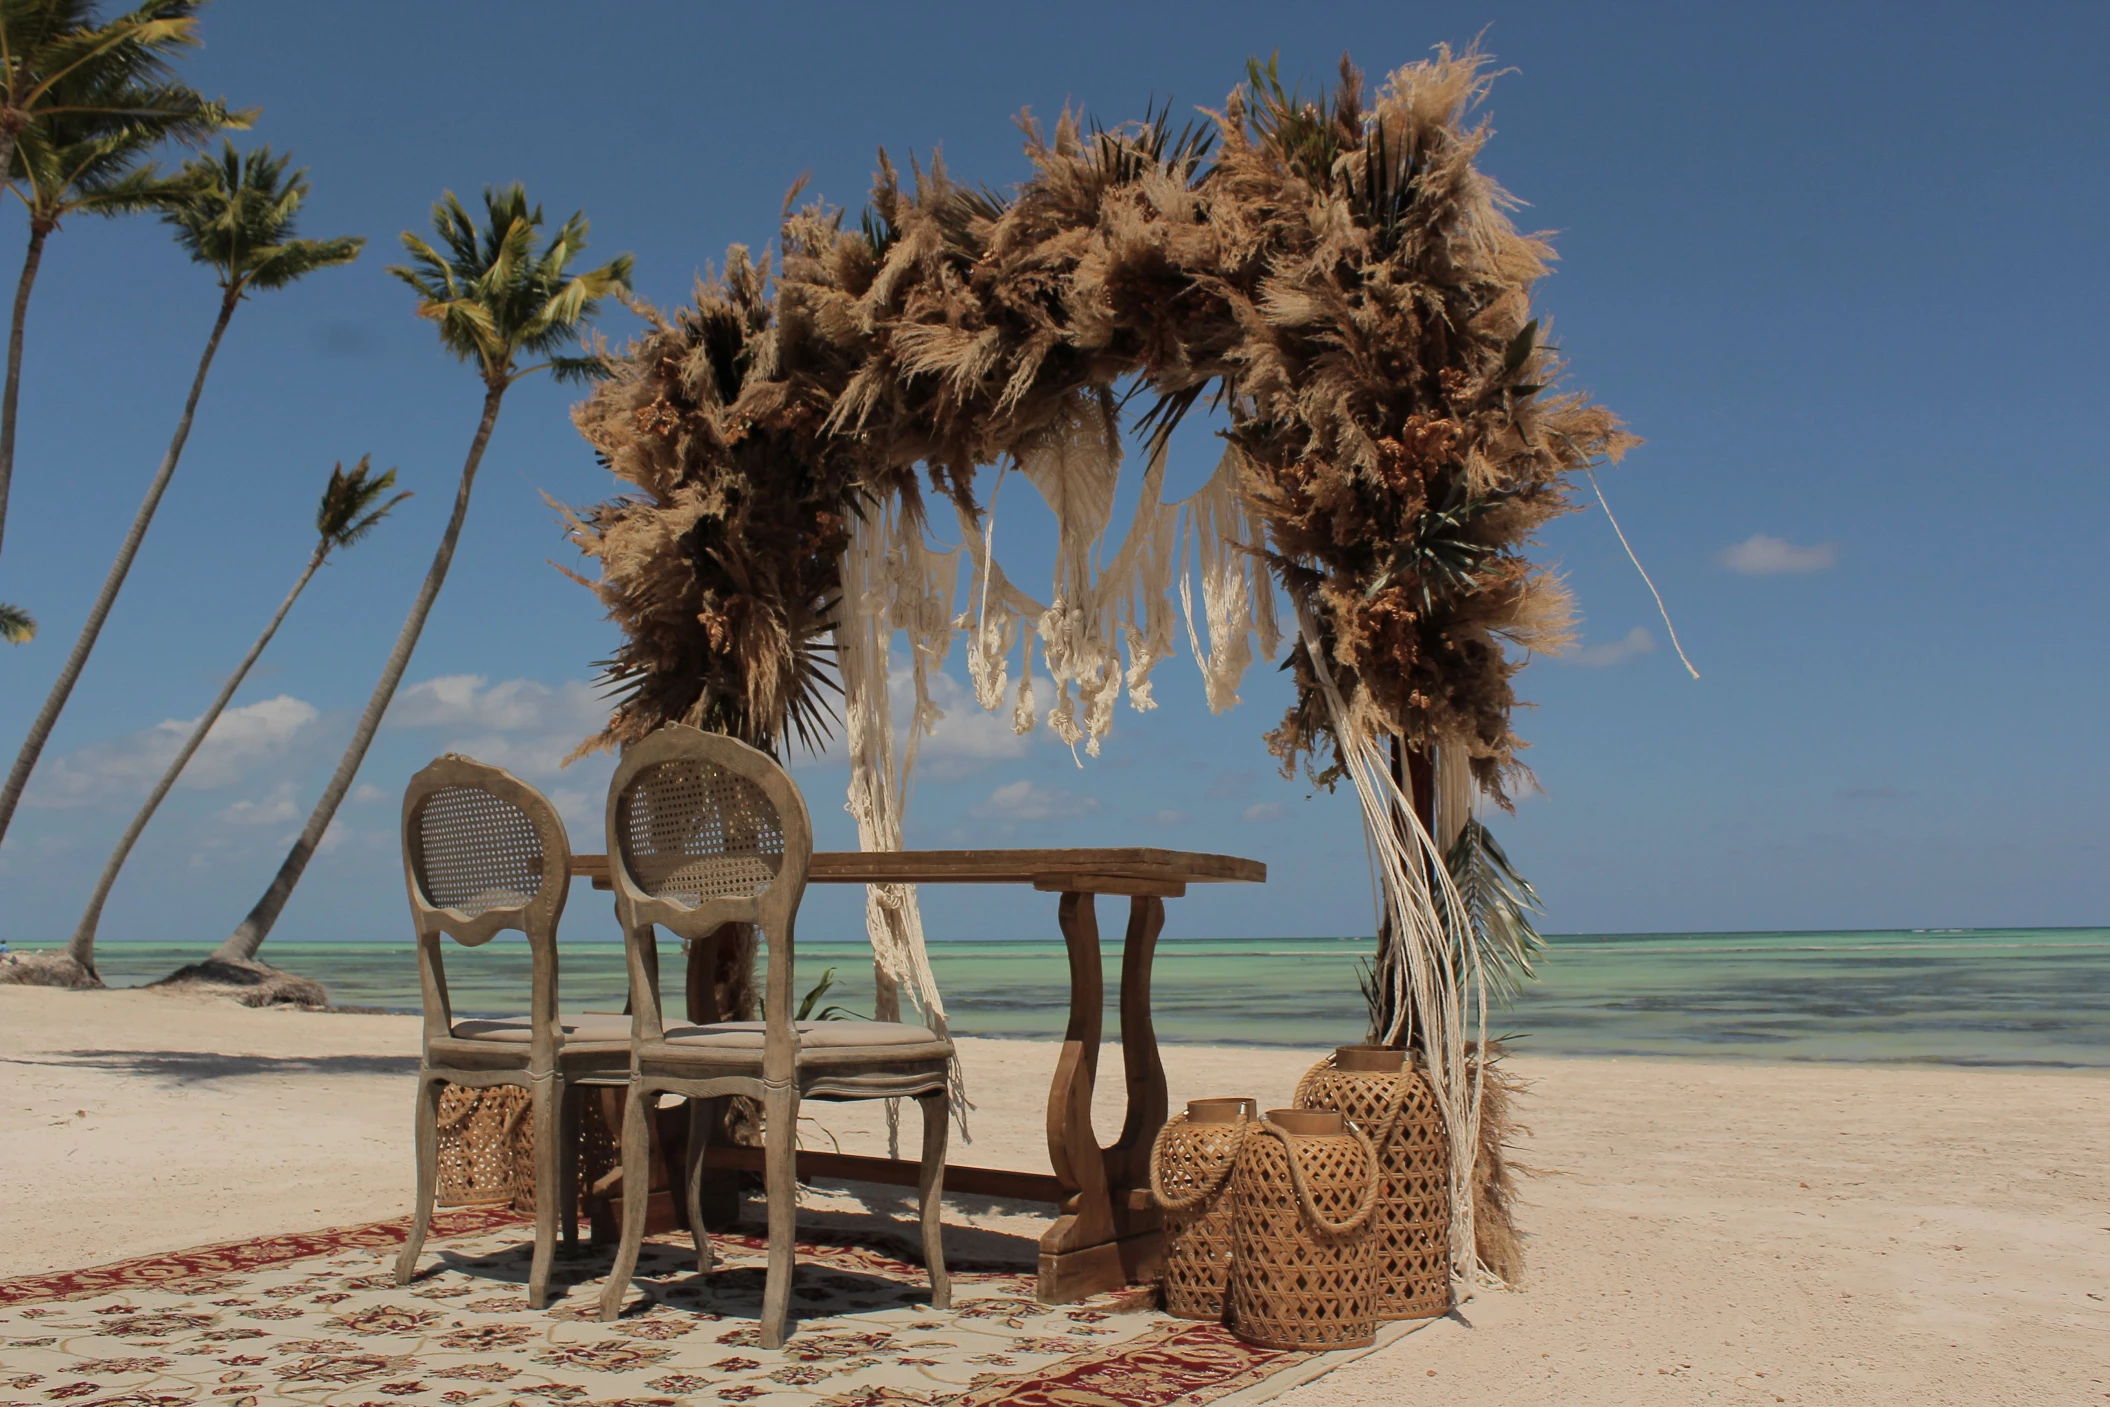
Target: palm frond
{"type": "Point", "coordinates": [493, 295]}
{"type": "Point", "coordinates": [814, 997]}
{"type": "Point", "coordinates": [238, 214]}
{"type": "Point", "coordinates": [49, 45]}
{"type": "Point", "coordinates": [17, 626]}
{"type": "Point", "coordinates": [347, 512]}
{"type": "Point", "coordinates": [89, 155]}
{"type": "Point", "coordinates": [1499, 903]}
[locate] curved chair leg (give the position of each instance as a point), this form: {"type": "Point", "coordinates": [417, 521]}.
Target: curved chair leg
{"type": "Point", "coordinates": [426, 1121]}
{"type": "Point", "coordinates": [637, 1194]}
{"type": "Point", "coordinates": [930, 1193]}
{"type": "Point", "coordinates": [702, 1114]}
{"type": "Point", "coordinates": [780, 1120]}
{"type": "Point", "coordinates": [568, 1165]}
{"type": "Point", "coordinates": [547, 1095]}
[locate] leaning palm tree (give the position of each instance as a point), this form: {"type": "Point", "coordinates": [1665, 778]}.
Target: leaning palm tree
{"type": "Point", "coordinates": [64, 79]}
{"type": "Point", "coordinates": [237, 218]}
{"type": "Point", "coordinates": [17, 626]}
{"type": "Point", "coordinates": [347, 513]}
{"type": "Point", "coordinates": [496, 299]}
{"type": "Point", "coordinates": [90, 161]}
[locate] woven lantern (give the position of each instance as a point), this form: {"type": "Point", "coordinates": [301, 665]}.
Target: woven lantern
{"type": "Point", "coordinates": [1303, 1264]}
{"type": "Point", "coordinates": [480, 1133]}
{"type": "Point", "coordinates": [1190, 1172]}
{"type": "Point", "coordinates": [1375, 1088]}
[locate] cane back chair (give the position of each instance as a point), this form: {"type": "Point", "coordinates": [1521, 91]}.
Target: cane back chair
{"type": "Point", "coordinates": [704, 831]}
{"type": "Point", "coordinates": [484, 852]}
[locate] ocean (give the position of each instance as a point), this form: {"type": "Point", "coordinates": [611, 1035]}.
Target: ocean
{"type": "Point", "coordinates": [1993, 997]}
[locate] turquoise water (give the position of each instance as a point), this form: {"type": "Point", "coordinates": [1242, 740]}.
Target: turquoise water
{"type": "Point", "coordinates": [2024, 997]}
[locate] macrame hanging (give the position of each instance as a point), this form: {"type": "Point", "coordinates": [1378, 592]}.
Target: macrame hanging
{"type": "Point", "coordinates": [896, 583]}
{"type": "Point", "coordinates": [893, 583]}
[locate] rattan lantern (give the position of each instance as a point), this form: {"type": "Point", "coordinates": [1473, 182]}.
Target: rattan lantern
{"type": "Point", "coordinates": [1190, 1173]}
{"type": "Point", "coordinates": [1303, 1264]}
{"type": "Point", "coordinates": [480, 1133]}
{"type": "Point", "coordinates": [1377, 1090]}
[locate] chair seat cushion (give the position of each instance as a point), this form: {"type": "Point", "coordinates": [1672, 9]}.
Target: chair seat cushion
{"type": "Point", "coordinates": [592, 1026]}
{"type": "Point", "coordinates": [813, 1035]}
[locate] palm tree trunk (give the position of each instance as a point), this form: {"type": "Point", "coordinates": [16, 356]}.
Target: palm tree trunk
{"type": "Point", "coordinates": [81, 948]}
{"type": "Point", "coordinates": [242, 944]}
{"type": "Point", "coordinates": [38, 232]}
{"type": "Point", "coordinates": [40, 730]}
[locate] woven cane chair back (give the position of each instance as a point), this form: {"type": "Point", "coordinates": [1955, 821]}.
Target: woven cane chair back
{"type": "Point", "coordinates": [704, 830]}
{"type": "Point", "coordinates": [482, 851]}
{"type": "Point", "coordinates": [694, 832]}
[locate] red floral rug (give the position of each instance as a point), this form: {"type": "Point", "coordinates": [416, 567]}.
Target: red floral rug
{"type": "Point", "coordinates": [318, 1318]}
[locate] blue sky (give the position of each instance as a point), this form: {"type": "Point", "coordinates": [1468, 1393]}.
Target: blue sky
{"type": "Point", "coordinates": [1843, 266]}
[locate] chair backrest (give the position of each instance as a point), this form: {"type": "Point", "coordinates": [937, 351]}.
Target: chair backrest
{"type": "Point", "coordinates": [703, 831]}
{"type": "Point", "coordinates": [483, 852]}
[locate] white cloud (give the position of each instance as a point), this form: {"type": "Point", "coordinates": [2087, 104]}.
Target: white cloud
{"type": "Point", "coordinates": [367, 791]}
{"type": "Point", "coordinates": [242, 739]}
{"type": "Point", "coordinates": [1630, 646]}
{"type": "Point", "coordinates": [1023, 801]}
{"type": "Point", "coordinates": [966, 739]}
{"type": "Point", "coordinates": [512, 706]}
{"type": "Point", "coordinates": [276, 809]}
{"type": "Point", "coordinates": [521, 725]}
{"type": "Point", "coordinates": [1170, 818]}
{"type": "Point", "coordinates": [584, 814]}
{"type": "Point", "coordinates": [1264, 811]}
{"type": "Point", "coordinates": [1760, 555]}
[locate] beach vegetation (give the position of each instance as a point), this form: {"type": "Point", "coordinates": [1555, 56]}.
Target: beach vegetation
{"type": "Point", "coordinates": [810, 1008]}
{"type": "Point", "coordinates": [236, 215]}
{"type": "Point", "coordinates": [506, 300]}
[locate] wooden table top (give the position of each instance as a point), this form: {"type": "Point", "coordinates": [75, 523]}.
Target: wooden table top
{"type": "Point", "coordinates": [1133, 870]}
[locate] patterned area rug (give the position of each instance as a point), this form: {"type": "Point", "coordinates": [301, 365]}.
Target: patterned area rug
{"type": "Point", "coordinates": [317, 1318]}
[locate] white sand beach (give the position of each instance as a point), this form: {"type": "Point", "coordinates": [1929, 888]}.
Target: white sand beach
{"type": "Point", "coordinates": [1699, 1232]}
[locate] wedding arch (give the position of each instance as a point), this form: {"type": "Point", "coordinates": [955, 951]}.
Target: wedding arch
{"type": "Point", "coordinates": [1333, 277]}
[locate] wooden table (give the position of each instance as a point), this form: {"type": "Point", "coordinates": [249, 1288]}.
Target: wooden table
{"type": "Point", "coordinates": [1108, 1233]}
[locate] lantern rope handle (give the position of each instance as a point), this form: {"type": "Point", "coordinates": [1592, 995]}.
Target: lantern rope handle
{"type": "Point", "coordinates": [1361, 1214]}
{"type": "Point", "coordinates": [1171, 1202]}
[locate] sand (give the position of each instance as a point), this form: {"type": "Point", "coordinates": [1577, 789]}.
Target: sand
{"type": "Point", "coordinates": [1699, 1232]}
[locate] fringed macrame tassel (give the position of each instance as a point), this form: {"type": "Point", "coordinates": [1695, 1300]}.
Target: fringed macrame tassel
{"type": "Point", "coordinates": [1126, 602]}
{"type": "Point", "coordinates": [893, 581]}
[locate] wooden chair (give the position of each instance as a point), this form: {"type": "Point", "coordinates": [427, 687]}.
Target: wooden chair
{"type": "Point", "coordinates": [484, 852]}
{"type": "Point", "coordinates": [705, 831]}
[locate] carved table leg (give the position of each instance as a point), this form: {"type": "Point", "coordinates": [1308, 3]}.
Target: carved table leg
{"type": "Point", "coordinates": [1128, 1161]}
{"type": "Point", "coordinates": [1078, 1256]}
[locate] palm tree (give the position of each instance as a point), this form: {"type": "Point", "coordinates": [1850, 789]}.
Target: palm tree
{"type": "Point", "coordinates": [346, 514]}
{"type": "Point", "coordinates": [89, 162]}
{"type": "Point", "coordinates": [66, 81]}
{"type": "Point", "coordinates": [495, 299]}
{"type": "Point", "coordinates": [17, 627]}
{"type": "Point", "coordinates": [236, 217]}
